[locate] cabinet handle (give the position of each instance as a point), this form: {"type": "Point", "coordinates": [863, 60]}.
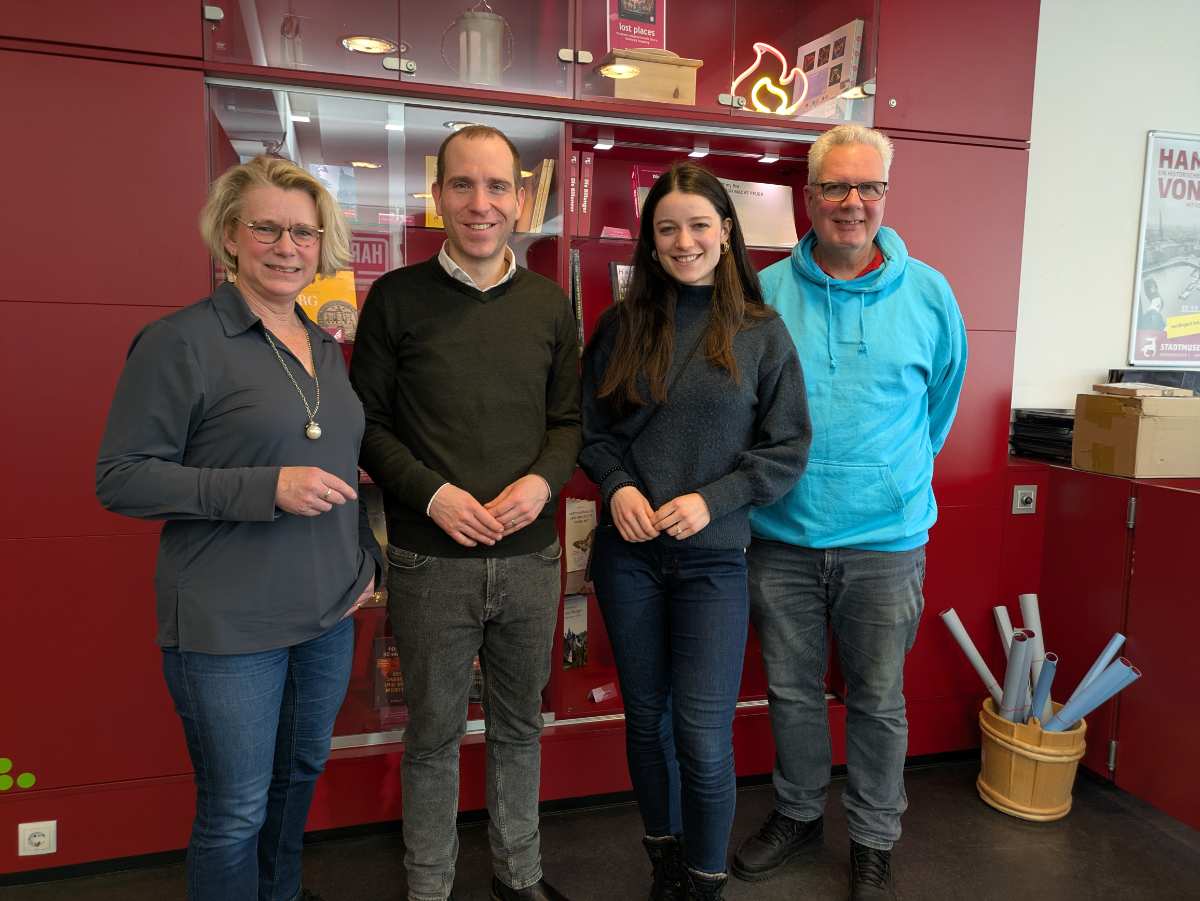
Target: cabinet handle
{"type": "Point", "coordinates": [400, 64]}
{"type": "Point", "coordinates": [571, 55]}
{"type": "Point", "coordinates": [213, 13]}
{"type": "Point", "coordinates": [732, 100]}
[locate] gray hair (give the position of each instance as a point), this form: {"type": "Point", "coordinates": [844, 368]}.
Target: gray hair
{"type": "Point", "coordinates": [848, 134]}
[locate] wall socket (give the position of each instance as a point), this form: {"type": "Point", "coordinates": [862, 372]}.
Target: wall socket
{"type": "Point", "coordinates": [1024, 499]}
{"type": "Point", "coordinates": [37, 838]}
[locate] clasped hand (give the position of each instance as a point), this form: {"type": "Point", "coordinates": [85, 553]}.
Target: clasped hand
{"type": "Point", "coordinates": [471, 523]}
{"type": "Point", "coordinates": [636, 520]}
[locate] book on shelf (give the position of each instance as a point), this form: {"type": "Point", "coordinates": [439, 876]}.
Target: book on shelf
{"type": "Point", "coordinates": [537, 193]}
{"type": "Point", "coordinates": [764, 210]}
{"type": "Point", "coordinates": [830, 65]}
{"type": "Point", "coordinates": [432, 219]}
{"type": "Point", "coordinates": [587, 164]}
{"type": "Point", "coordinates": [572, 194]}
{"type": "Point", "coordinates": [389, 681]}
{"type": "Point", "coordinates": [575, 631]}
{"type": "Point", "coordinates": [544, 176]}
{"type": "Point", "coordinates": [576, 279]}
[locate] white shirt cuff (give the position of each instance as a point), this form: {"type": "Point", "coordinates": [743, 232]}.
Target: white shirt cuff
{"type": "Point", "coordinates": [429, 506]}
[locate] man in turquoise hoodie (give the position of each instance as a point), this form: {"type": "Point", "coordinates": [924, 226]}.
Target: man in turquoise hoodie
{"type": "Point", "coordinates": [884, 352]}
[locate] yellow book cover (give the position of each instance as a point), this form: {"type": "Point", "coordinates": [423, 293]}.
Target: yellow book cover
{"type": "Point", "coordinates": [432, 219]}
{"type": "Point", "coordinates": [332, 303]}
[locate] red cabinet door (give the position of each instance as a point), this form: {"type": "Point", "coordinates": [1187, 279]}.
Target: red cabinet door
{"type": "Point", "coordinates": [172, 27]}
{"type": "Point", "coordinates": [1084, 578]}
{"type": "Point", "coordinates": [957, 67]}
{"type": "Point", "coordinates": [1158, 733]}
{"type": "Point", "coordinates": [977, 246]}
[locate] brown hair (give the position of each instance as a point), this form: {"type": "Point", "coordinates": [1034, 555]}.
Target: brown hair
{"type": "Point", "coordinates": [645, 338]}
{"type": "Point", "coordinates": [225, 204]}
{"type": "Point", "coordinates": [478, 132]}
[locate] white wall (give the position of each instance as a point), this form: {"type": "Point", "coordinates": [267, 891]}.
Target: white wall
{"type": "Point", "coordinates": [1108, 71]}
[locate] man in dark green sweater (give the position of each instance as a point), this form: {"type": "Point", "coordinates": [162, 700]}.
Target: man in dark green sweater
{"type": "Point", "coordinates": [468, 370]}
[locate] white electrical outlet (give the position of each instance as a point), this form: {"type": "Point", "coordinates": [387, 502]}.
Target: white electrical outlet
{"type": "Point", "coordinates": [37, 838]}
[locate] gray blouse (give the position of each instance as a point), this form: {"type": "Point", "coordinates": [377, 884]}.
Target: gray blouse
{"type": "Point", "coordinates": [202, 421]}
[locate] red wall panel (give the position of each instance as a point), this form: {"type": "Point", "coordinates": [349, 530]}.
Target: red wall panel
{"type": "Point", "coordinates": [106, 210]}
{"type": "Point", "coordinates": [961, 67]}
{"type": "Point", "coordinates": [73, 353]}
{"type": "Point", "coordinates": [80, 677]}
{"type": "Point", "coordinates": [961, 209]}
{"type": "Point", "coordinates": [969, 468]}
{"type": "Point", "coordinates": [171, 27]}
{"type": "Point", "coordinates": [962, 571]}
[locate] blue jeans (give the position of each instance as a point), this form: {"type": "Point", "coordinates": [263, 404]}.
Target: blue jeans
{"type": "Point", "coordinates": [444, 611]}
{"type": "Point", "coordinates": [873, 601]}
{"type": "Point", "coordinates": [677, 619]}
{"type": "Point", "coordinates": [258, 728]}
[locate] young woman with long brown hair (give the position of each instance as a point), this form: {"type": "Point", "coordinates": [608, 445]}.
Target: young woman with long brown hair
{"type": "Point", "coordinates": [693, 412]}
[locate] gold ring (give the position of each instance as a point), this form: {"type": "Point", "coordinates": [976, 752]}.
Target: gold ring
{"type": "Point", "coordinates": [512, 522]}
{"type": "Point", "coordinates": [328, 491]}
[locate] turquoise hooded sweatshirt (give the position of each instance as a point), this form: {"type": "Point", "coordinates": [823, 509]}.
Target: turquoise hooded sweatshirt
{"type": "Point", "coordinates": [884, 357]}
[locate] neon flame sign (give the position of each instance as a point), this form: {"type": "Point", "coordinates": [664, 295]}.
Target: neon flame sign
{"type": "Point", "coordinates": [765, 86]}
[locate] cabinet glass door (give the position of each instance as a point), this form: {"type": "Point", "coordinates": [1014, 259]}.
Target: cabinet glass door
{"type": "Point", "coordinates": [497, 45]}
{"type": "Point", "coordinates": [812, 61]}
{"type": "Point", "coordinates": [662, 52]}
{"type": "Point", "coordinates": [351, 37]}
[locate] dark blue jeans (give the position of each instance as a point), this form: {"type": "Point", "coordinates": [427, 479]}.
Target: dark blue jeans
{"type": "Point", "coordinates": [873, 602]}
{"type": "Point", "coordinates": [258, 728]}
{"type": "Point", "coordinates": [677, 619]}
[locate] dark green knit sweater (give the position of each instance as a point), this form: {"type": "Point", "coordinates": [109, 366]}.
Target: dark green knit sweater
{"type": "Point", "coordinates": [475, 388]}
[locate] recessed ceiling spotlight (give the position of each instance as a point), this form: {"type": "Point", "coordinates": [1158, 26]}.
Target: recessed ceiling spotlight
{"type": "Point", "coordinates": [363, 164]}
{"type": "Point", "coordinates": [394, 126]}
{"type": "Point", "coordinates": [365, 43]}
{"type": "Point", "coordinates": [769, 158]}
{"type": "Point", "coordinates": [296, 118]}
{"type": "Point", "coordinates": [457, 125]}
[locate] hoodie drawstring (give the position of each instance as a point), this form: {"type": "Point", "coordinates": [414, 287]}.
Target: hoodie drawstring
{"type": "Point", "coordinates": [833, 360]}
{"type": "Point", "coordinates": [862, 323]}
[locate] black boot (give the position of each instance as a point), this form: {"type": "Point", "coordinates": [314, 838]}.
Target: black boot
{"type": "Point", "coordinates": [779, 840]}
{"type": "Point", "coordinates": [666, 856]}
{"type": "Point", "coordinates": [870, 873]}
{"type": "Point", "coordinates": [705, 886]}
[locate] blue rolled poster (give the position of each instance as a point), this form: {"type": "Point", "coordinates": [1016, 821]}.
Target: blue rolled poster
{"type": "Point", "coordinates": [1102, 662]}
{"type": "Point", "coordinates": [1041, 692]}
{"type": "Point", "coordinates": [1119, 674]}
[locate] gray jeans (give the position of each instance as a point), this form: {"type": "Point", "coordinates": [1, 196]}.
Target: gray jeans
{"type": "Point", "coordinates": [873, 601]}
{"type": "Point", "coordinates": [444, 611]}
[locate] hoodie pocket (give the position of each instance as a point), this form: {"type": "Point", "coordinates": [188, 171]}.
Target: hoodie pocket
{"type": "Point", "coordinates": [847, 499]}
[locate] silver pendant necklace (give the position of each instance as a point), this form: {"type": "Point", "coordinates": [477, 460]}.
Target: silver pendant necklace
{"type": "Point", "coordinates": [311, 430]}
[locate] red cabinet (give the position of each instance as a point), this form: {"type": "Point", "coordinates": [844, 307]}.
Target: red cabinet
{"type": "Point", "coordinates": [1116, 560]}
{"type": "Point", "coordinates": [957, 67]}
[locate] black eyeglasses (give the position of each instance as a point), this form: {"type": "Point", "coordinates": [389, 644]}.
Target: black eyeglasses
{"type": "Point", "coordinates": [870, 191]}
{"type": "Point", "coordinates": [270, 232]}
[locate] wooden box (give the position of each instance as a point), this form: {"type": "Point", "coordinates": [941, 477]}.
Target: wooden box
{"type": "Point", "coordinates": [661, 76]}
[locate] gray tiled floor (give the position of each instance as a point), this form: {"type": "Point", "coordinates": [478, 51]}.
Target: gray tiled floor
{"type": "Point", "coordinates": [954, 847]}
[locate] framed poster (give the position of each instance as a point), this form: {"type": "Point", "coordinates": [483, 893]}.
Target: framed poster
{"type": "Point", "coordinates": [1164, 328]}
{"type": "Point", "coordinates": [637, 24]}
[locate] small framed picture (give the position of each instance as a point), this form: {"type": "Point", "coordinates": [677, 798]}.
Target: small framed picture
{"type": "Point", "coordinates": [839, 48]}
{"type": "Point", "coordinates": [823, 55]}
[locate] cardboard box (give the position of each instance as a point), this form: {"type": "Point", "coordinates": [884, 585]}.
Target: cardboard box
{"type": "Point", "coordinates": [1156, 437]}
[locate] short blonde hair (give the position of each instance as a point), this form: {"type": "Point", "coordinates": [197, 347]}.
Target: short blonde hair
{"type": "Point", "coordinates": [848, 134]}
{"type": "Point", "coordinates": [225, 204]}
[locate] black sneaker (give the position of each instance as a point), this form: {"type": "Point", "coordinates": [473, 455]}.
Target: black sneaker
{"type": "Point", "coordinates": [870, 873]}
{"type": "Point", "coordinates": [779, 840]}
